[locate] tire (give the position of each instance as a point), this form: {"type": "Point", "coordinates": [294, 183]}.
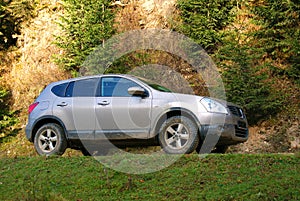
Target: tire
{"type": "Point", "coordinates": [50, 140]}
{"type": "Point", "coordinates": [178, 135]}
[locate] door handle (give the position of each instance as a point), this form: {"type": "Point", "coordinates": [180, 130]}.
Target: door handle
{"type": "Point", "coordinates": [103, 103]}
{"type": "Point", "coordinates": [62, 104]}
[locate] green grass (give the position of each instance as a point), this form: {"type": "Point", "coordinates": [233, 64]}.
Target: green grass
{"type": "Point", "coordinates": [215, 177]}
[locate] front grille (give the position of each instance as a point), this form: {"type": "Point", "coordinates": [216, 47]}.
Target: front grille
{"type": "Point", "coordinates": [241, 129]}
{"type": "Point", "coordinates": [236, 111]}
{"type": "Point", "coordinates": [242, 124]}
{"type": "Point", "coordinates": [241, 132]}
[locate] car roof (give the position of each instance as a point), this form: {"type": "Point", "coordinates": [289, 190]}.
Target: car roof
{"type": "Point", "coordinates": [93, 76]}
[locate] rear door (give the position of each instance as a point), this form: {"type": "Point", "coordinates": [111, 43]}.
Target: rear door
{"type": "Point", "coordinates": [77, 108]}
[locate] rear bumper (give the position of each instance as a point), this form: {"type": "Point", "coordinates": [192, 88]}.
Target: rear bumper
{"type": "Point", "coordinates": [28, 131]}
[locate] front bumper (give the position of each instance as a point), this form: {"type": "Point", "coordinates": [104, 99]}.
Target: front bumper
{"type": "Point", "coordinates": [227, 129]}
{"type": "Point", "coordinates": [226, 134]}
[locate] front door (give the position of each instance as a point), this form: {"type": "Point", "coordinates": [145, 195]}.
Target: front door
{"type": "Point", "coordinates": [119, 114]}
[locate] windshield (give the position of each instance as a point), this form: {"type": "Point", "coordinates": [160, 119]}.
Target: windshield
{"type": "Point", "coordinates": [155, 85]}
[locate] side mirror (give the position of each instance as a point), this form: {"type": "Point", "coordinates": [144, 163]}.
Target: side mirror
{"type": "Point", "coordinates": [137, 91]}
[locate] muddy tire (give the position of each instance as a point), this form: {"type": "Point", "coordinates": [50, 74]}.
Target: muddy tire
{"type": "Point", "coordinates": [178, 135]}
{"type": "Point", "coordinates": [50, 140]}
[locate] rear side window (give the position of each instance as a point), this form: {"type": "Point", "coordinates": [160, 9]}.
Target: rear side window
{"type": "Point", "coordinates": [60, 90]}
{"type": "Point", "coordinates": [83, 88]}
{"type": "Point", "coordinates": [69, 90]}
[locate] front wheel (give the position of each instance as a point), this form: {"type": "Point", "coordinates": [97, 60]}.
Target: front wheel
{"type": "Point", "coordinates": [50, 140]}
{"type": "Point", "coordinates": [178, 135]}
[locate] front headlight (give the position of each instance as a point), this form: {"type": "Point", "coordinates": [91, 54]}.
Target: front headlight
{"type": "Point", "coordinates": [213, 106]}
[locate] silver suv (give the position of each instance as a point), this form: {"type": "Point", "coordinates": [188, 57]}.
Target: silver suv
{"type": "Point", "coordinates": [129, 111]}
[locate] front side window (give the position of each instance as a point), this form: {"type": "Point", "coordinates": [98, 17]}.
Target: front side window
{"type": "Point", "coordinates": [116, 87]}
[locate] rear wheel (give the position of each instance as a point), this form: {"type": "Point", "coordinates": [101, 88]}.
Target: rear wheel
{"type": "Point", "coordinates": [50, 140]}
{"type": "Point", "coordinates": [178, 135]}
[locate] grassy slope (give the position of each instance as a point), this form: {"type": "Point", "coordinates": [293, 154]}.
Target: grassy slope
{"type": "Point", "coordinates": [216, 177]}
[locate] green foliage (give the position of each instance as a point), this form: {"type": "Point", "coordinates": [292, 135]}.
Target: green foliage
{"type": "Point", "coordinates": [247, 82]}
{"type": "Point", "coordinates": [12, 14]}
{"type": "Point", "coordinates": [86, 24]}
{"type": "Point", "coordinates": [202, 20]}
{"type": "Point", "coordinates": [280, 34]}
{"type": "Point", "coordinates": [7, 119]}
{"type": "Point", "coordinates": [252, 61]}
{"type": "Point", "coordinates": [129, 61]}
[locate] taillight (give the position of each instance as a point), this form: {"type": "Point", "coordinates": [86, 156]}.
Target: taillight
{"type": "Point", "coordinates": [32, 106]}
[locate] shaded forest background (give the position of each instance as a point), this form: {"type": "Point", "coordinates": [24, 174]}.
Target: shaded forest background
{"type": "Point", "coordinates": [255, 45]}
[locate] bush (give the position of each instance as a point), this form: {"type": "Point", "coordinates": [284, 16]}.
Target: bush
{"type": "Point", "coordinates": [202, 20]}
{"type": "Point", "coordinates": [86, 25]}
{"type": "Point", "coordinates": [280, 34]}
{"type": "Point", "coordinates": [247, 80]}
{"type": "Point", "coordinates": [253, 59]}
{"type": "Point", "coordinates": [12, 13]}
{"type": "Point", "coordinates": [7, 119]}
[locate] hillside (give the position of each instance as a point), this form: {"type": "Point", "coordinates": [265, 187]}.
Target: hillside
{"type": "Point", "coordinates": [28, 61]}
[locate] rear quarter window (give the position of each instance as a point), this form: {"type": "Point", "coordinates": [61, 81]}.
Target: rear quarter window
{"type": "Point", "coordinates": [60, 90]}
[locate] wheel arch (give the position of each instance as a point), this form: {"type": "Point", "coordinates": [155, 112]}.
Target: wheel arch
{"type": "Point", "coordinates": [176, 111]}
{"type": "Point", "coordinates": [44, 120]}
